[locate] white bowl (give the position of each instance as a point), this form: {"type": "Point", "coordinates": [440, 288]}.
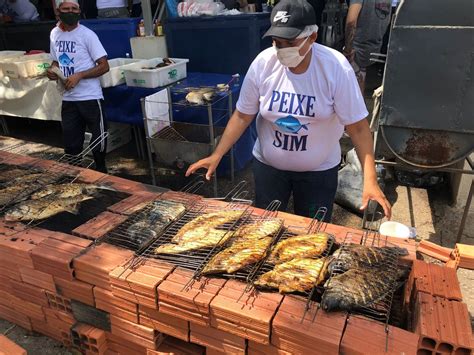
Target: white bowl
{"type": "Point", "coordinates": [394, 229]}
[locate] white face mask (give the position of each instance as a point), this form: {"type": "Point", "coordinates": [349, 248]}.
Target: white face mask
{"type": "Point", "coordinates": [290, 57]}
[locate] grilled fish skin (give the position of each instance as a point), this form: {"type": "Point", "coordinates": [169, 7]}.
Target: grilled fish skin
{"type": "Point", "coordinates": [69, 190]}
{"type": "Point", "coordinates": [297, 275]}
{"type": "Point", "coordinates": [197, 238]}
{"type": "Point", "coordinates": [356, 256]}
{"type": "Point", "coordinates": [11, 174]}
{"type": "Point", "coordinates": [15, 193]}
{"type": "Point", "coordinates": [356, 288]}
{"type": "Point", "coordinates": [209, 221]}
{"type": "Point", "coordinates": [239, 255]}
{"type": "Point", "coordinates": [301, 246]}
{"type": "Point", "coordinates": [165, 212]}
{"type": "Point", "coordinates": [44, 208]}
{"type": "Point", "coordinates": [258, 229]}
{"type": "Point", "coordinates": [38, 178]}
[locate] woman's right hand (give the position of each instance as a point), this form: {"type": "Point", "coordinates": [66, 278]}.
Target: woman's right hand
{"type": "Point", "coordinates": [210, 163]}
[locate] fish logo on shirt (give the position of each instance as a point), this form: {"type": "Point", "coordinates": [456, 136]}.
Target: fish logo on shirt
{"type": "Point", "coordinates": [65, 60]}
{"type": "Point", "coordinates": [290, 124]}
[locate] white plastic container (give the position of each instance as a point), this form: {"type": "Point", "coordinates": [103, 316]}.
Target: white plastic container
{"type": "Point", "coordinates": [395, 229]}
{"type": "Point", "coordinates": [115, 76]}
{"type": "Point", "coordinates": [136, 75]}
{"type": "Point", "coordinates": [119, 135]}
{"type": "Point", "coordinates": [26, 66]}
{"type": "Point", "coordinates": [6, 55]}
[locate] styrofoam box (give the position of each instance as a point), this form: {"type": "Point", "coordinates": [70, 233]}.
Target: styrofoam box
{"type": "Point", "coordinates": [119, 135]}
{"type": "Point", "coordinates": [26, 66]}
{"type": "Point", "coordinates": [135, 75]}
{"type": "Point", "coordinates": [115, 75]}
{"type": "Point", "coordinates": [4, 55]}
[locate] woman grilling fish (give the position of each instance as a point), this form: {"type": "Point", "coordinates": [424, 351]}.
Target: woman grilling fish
{"type": "Point", "coordinates": [304, 95]}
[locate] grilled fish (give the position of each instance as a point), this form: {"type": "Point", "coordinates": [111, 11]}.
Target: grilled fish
{"type": "Point", "coordinates": [355, 256]}
{"type": "Point", "coordinates": [11, 174]}
{"type": "Point", "coordinates": [239, 255]}
{"type": "Point", "coordinates": [301, 246]}
{"type": "Point", "coordinates": [297, 275]}
{"type": "Point", "coordinates": [44, 208]}
{"type": "Point", "coordinates": [38, 178]}
{"type": "Point", "coordinates": [194, 229]}
{"type": "Point", "coordinates": [201, 237]}
{"type": "Point", "coordinates": [69, 190]}
{"type": "Point", "coordinates": [258, 229]}
{"type": "Point", "coordinates": [16, 193]}
{"type": "Point", "coordinates": [200, 96]}
{"type": "Point", "coordinates": [356, 288]}
{"type": "Point", "coordinates": [155, 221]}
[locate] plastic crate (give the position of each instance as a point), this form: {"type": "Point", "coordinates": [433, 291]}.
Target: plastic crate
{"type": "Point", "coordinates": [114, 34]}
{"type": "Point", "coordinates": [116, 76]}
{"type": "Point", "coordinates": [219, 44]}
{"type": "Point", "coordinates": [135, 75]}
{"type": "Point", "coordinates": [26, 66]}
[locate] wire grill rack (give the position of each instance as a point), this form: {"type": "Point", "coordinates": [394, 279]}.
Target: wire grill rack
{"type": "Point", "coordinates": [315, 226]}
{"type": "Point", "coordinates": [247, 273]}
{"type": "Point", "coordinates": [388, 262]}
{"type": "Point", "coordinates": [141, 228]}
{"type": "Point", "coordinates": [64, 170]}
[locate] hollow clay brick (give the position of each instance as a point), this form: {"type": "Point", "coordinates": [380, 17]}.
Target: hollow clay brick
{"type": "Point", "coordinates": [189, 303]}
{"type": "Point", "coordinates": [244, 313]}
{"type": "Point", "coordinates": [254, 348]}
{"type": "Point", "coordinates": [8, 347]}
{"type": "Point", "coordinates": [37, 278]}
{"type": "Point", "coordinates": [99, 226]}
{"type": "Point", "coordinates": [164, 323]}
{"type": "Point", "coordinates": [464, 255]}
{"type": "Point", "coordinates": [133, 203]}
{"type": "Point", "coordinates": [365, 336]}
{"type": "Point", "coordinates": [217, 339]}
{"type": "Point", "coordinates": [434, 250]}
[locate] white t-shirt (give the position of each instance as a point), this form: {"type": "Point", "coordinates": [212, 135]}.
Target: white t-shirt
{"type": "Point", "coordinates": [107, 4]}
{"type": "Point", "coordinates": [77, 51]}
{"type": "Point", "coordinates": [301, 116]}
{"type": "Point", "coordinates": [20, 10]}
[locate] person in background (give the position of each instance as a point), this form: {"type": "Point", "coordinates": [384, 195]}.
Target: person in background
{"type": "Point", "coordinates": [303, 95]}
{"type": "Point", "coordinates": [78, 53]}
{"type": "Point", "coordinates": [366, 23]}
{"type": "Point", "coordinates": [18, 10]}
{"type": "Point", "coordinates": [113, 8]}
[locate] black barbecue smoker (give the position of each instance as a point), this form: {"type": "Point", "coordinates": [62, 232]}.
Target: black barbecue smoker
{"type": "Point", "coordinates": [427, 111]}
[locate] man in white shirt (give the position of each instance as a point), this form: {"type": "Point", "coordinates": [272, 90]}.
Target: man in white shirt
{"type": "Point", "coordinates": [78, 53]}
{"type": "Point", "coordinates": [304, 95]}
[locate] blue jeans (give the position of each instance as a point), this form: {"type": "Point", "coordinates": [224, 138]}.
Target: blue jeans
{"type": "Point", "coordinates": [311, 189]}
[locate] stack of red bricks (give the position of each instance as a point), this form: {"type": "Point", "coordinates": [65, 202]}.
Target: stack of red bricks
{"type": "Point", "coordinates": [433, 301]}
{"type": "Point", "coordinates": [150, 307]}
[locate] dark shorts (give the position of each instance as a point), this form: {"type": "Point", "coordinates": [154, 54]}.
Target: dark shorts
{"type": "Point", "coordinates": [76, 116]}
{"type": "Point", "coordinates": [311, 190]}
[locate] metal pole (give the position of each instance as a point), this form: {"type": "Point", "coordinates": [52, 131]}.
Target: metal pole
{"type": "Point", "coordinates": [466, 211]}
{"type": "Point", "coordinates": [232, 162]}
{"type": "Point", "coordinates": [213, 141]}
{"type": "Point", "coordinates": [147, 137]}
{"type": "Point", "coordinates": [147, 17]}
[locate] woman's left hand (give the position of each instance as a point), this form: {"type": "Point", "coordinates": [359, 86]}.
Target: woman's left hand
{"type": "Point", "coordinates": [372, 191]}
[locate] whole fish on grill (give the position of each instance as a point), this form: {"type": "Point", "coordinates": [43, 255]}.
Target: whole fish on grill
{"type": "Point", "coordinates": [37, 178]}
{"type": "Point", "coordinates": [69, 190]}
{"type": "Point", "coordinates": [44, 208]}
{"type": "Point", "coordinates": [155, 221]}
{"type": "Point", "coordinates": [359, 287]}
{"type": "Point", "coordinates": [297, 275]}
{"type": "Point", "coordinates": [8, 175]}
{"type": "Point", "coordinates": [239, 255]}
{"type": "Point", "coordinates": [356, 256]}
{"type": "Point", "coordinates": [16, 193]}
{"type": "Point", "coordinates": [301, 246]}
{"type": "Point", "coordinates": [209, 221]}
{"type": "Point", "coordinates": [250, 243]}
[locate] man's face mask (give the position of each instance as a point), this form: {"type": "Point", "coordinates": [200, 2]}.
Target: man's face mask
{"type": "Point", "coordinates": [290, 57]}
{"type": "Point", "coordinates": [69, 18]}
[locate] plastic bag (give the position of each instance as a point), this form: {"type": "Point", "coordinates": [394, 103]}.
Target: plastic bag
{"type": "Point", "coordinates": [199, 7]}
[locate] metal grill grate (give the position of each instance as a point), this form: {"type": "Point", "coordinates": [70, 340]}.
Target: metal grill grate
{"type": "Point", "coordinates": [169, 133]}
{"type": "Point", "coordinates": [247, 273]}
{"type": "Point", "coordinates": [142, 227]}
{"type": "Point", "coordinates": [315, 226]}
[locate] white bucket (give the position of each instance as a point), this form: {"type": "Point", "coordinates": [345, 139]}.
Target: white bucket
{"type": "Point", "coordinates": [395, 229]}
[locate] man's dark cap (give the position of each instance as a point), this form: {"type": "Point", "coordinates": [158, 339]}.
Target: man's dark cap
{"type": "Point", "coordinates": [289, 18]}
